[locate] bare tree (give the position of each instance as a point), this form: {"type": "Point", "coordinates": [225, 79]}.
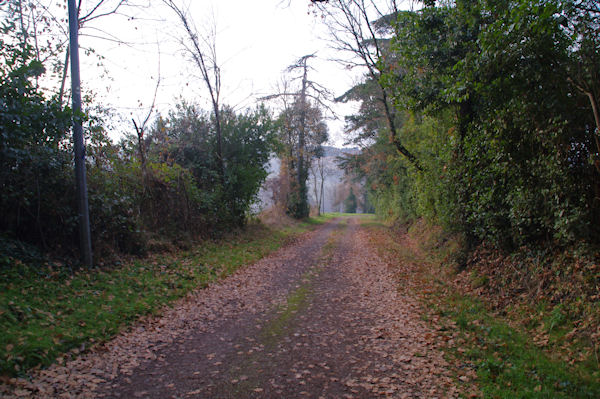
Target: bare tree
{"type": "Point", "coordinates": [302, 117]}
{"type": "Point", "coordinates": [203, 52]}
{"type": "Point", "coordinates": [140, 126]}
{"type": "Point", "coordinates": [354, 31]}
{"type": "Point", "coordinates": [279, 187]}
{"type": "Point", "coordinates": [584, 17]}
{"type": "Point", "coordinates": [319, 172]}
{"type": "Point", "coordinates": [42, 23]}
{"type": "Point", "coordinates": [302, 65]}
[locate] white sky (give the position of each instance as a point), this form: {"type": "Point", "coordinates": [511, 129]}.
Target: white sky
{"type": "Point", "coordinates": [256, 41]}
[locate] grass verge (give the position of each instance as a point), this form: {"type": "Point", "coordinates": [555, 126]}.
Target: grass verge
{"type": "Point", "coordinates": [47, 309]}
{"type": "Point", "coordinates": [507, 362]}
{"type": "Point", "coordinates": [494, 356]}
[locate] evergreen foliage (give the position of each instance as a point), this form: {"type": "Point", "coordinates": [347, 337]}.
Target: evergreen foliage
{"type": "Point", "coordinates": [174, 191]}
{"type": "Point", "coordinates": [488, 100]}
{"type": "Point", "coordinates": [186, 138]}
{"type": "Point", "coordinates": [350, 202]}
{"type": "Point", "coordinates": [35, 174]}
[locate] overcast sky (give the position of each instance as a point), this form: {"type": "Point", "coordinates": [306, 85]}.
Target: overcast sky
{"type": "Point", "coordinates": [256, 41]}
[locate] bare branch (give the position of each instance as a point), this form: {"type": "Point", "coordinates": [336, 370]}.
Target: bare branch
{"type": "Point", "coordinates": [206, 62]}
{"type": "Point", "coordinates": [353, 31]}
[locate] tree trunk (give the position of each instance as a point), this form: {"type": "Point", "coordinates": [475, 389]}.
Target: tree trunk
{"type": "Point", "coordinates": [321, 196]}
{"type": "Point", "coordinates": [596, 111]}
{"type": "Point", "coordinates": [61, 93]}
{"type": "Point", "coordinates": [302, 133]}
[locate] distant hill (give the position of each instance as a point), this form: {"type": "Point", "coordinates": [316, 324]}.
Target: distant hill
{"type": "Point", "coordinates": [336, 151]}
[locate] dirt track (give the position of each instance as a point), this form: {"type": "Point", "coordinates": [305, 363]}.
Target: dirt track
{"type": "Point", "coordinates": [320, 318]}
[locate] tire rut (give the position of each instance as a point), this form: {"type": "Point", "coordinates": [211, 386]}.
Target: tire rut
{"type": "Point", "coordinates": [322, 318]}
{"type": "Point", "coordinates": [340, 330]}
{"type": "Point", "coordinates": [218, 348]}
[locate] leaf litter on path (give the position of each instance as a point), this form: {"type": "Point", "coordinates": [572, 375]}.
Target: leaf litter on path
{"type": "Point", "coordinates": [321, 318]}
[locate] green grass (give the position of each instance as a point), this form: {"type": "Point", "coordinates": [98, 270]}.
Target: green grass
{"type": "Point", "coordinates": [322, 218]}
{"type": "Point", "coordinates": [299, 298]}
{"type": "Point", "coordinates": [296, 301]}
{"type": "Point", "coordinates": [332, 215]}
{"type": "Point", "coordinates": [507, 362]}
{"type": "Point", "coordinates": [283, 323]}
{"type": "Point", "coordinates": [46, 310]}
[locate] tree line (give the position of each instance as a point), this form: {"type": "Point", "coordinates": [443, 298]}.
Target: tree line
{"type": "Point", "coordinates": [481, 116]}
{"type": "Point", "coordinates": [180, 175]}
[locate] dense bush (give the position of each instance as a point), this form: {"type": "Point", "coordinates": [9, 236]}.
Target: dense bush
{"type": "Point", "coordinates": [177, 191]}
{"type": "Point", "coordinates": [35, 175]}
{"type": "Point", "coordinates": [491, 97]}
{"type": "Point", "coordinates": [186, 138]}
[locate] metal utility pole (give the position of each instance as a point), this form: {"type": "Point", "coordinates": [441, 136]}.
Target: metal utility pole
{"type": "Point", "coordinates": [85, 240]}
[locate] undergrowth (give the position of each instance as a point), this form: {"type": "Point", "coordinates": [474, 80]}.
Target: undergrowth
{"type": "Point", "coordinates": [47, 309]}
{"type": "Point", "coordinates": [511, 352]}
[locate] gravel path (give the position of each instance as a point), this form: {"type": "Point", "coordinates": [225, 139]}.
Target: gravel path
{"type": "Point", "coordinates": [319, 319]}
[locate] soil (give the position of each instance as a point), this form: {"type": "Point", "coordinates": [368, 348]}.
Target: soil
{"type": "Point", "coordinates": [322, 318]}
